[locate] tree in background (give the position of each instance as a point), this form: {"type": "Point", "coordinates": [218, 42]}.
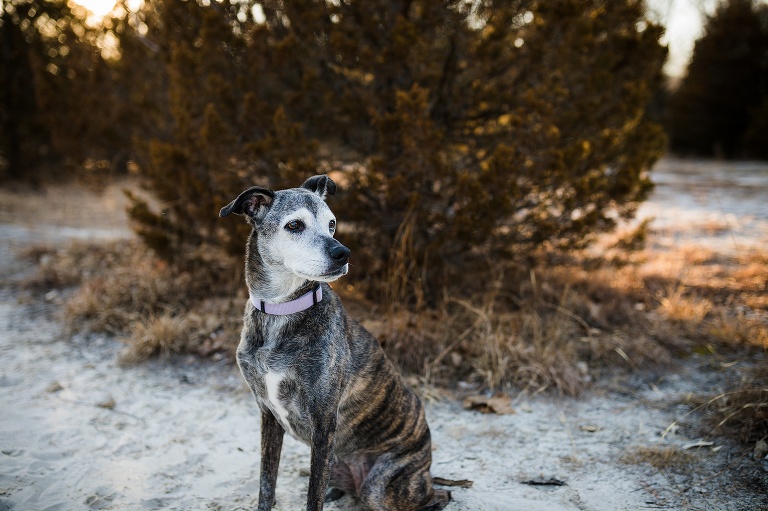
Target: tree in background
{"type": "Point", "coordinates": [720, 106]}
{"type": "Point", "coordinates": [59, 107]}
{"type": "Point", "coordinates": [463, 131]}
{"type": "Point", "coordinates": [224, 127]}
{"type": "Point", "coordinates": [460, 132]}
{"type": "Point", "coordinates": [25, 140]}
{"type": "Point", "coordinates": [499, 128]}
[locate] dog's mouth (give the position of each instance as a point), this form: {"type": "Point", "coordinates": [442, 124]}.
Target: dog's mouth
{"type": "Point", "coordinates": [335, 274]}
{"type": "Point", "coordinates": [329, 276]}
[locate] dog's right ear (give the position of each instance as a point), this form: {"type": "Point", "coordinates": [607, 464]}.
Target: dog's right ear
{"type": "Point", "coordinates": [253, 202]}
{"type": "Point", "coordinates": [322, 185]}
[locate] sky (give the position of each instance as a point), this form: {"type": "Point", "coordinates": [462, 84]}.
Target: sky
{"type": "Point", "coordinates": [683, 19]}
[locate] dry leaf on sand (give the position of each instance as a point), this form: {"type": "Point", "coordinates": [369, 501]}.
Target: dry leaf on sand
{"type": "Point", "coordinates": [500, 405]}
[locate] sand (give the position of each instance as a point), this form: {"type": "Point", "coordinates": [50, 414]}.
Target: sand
{"type": "Point", "coordinates": [79, 432]}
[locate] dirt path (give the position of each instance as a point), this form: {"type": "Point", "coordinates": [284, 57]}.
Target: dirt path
{"type": "Point", "coordinates": [78, 432]}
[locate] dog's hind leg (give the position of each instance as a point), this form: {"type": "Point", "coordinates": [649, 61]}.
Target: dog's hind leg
{"type": "Point", "coordinates": [271, 445]}
{"type": "Point", "coordinates": [440, 499]}
{"type": "Point", "coordinates": [402, 484]}
{"type": "Point", "coordinates": [341, 481]}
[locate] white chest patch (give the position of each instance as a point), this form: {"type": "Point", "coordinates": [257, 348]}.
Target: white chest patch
{"type": "Point", "coordinates": [272, 381]}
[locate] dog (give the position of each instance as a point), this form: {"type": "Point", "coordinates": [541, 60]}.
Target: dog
{"type": "Point", "coordinates": [315, 372]}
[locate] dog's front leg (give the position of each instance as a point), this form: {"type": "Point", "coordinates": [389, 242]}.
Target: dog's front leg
{"type": "Point", "coordinates": [271, 445]}
{"type": "Point", "coordinates": [323, 434]}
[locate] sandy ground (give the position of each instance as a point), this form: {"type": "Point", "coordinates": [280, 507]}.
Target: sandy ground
{"type": "Point", "coordinates": [79, 432]}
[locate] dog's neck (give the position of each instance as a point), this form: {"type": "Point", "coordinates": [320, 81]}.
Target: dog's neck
{"type": "Point", "coordinates": [271, 282]}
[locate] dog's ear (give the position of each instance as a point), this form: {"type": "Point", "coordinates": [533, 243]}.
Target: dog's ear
{"type": "Point", "coordinates": [253, 202]}
{"type": "Point", "coordinates": [321, 185]}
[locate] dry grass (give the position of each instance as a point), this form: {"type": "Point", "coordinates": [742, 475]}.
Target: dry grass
{"type": "Point", "coordinates": [560, 328]}
{"type": "Point", "coordinates": [123, 289]}
{"type": "Point", "coordinates": [60, 267]}
{"type": "Point", "coordinates": [685, 311]}
{"type": "Point", "coordinates": [662, 458]}
{"type": "Point", "coordinates": [742, 412]}
{"type": "Point", "coordinates": [115, 298]}
{"type": "Point", "coordinates": [564, 325]}
{"type": "Point", "coordinates": [543, 333]}
{"type": "Point", "coordinates": [162, 336]}
{"type": "Point", "coordinates": [737, 329]}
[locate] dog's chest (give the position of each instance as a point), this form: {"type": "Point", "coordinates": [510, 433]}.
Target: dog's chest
{"type": "Point", "coordinates": [281, 398]}
{"type": "Point", "coordinates": [273, 379]}
{"type": "Point", "coordinates": [279, 391]}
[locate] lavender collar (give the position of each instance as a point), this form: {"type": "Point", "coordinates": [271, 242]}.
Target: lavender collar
{"type": "Point", "coordinates": [301, 303]}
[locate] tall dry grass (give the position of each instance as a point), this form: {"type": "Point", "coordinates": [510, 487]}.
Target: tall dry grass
{"type": "Point", "coordinates": [742, 411]}
{"type": "Point", "coordinates": [123, 289]}
{"type": "Point", "coordinates": [163, 335]}
{"type": "Point", "coordinates": [562, 321]}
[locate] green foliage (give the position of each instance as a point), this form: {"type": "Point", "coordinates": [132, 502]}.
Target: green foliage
{"type": "Point", "coordinates": [460, 132]}
{"type": "Point", "coordinates": [719, 108]}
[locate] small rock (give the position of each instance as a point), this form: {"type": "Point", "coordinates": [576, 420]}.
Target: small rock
{"type": "Point", "coordinates": [542, 481]}
{"type": "Point", "coordinates": [54, 387]}
{"type": "Point", "coordinates": [500, 405]}
{"type": "Point", "coordinates": [303, 472]}
{"type": "Point", "coordinates": [589, 428]}
{"type": "Point", "coordinates": [108, 403]}
{"type": "Point", "coordinates": [52, 295]}
{"type": "Point", "coordinates": [761, 450]}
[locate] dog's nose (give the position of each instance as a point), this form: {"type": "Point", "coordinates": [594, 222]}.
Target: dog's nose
{"type": "Point", "coordinates": [340, 253]}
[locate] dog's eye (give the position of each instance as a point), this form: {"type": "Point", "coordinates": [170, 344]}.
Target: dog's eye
{"type": "Point", "coordinates": [332, 226]}
{"type": "Point", "coordinates": [295, 226]}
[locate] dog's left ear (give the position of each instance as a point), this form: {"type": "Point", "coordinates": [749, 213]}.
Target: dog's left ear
{"type": "Point", "coordinates": [253, 202]}
{"type": "Point", "coordinates": [321, 185]}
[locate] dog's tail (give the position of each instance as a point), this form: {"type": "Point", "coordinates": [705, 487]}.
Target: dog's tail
{"type": "Point", "coordinates": [464, 483]}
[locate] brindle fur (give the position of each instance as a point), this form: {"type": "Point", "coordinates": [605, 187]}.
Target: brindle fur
{"type": "Point", "coordinates": [332, 386]}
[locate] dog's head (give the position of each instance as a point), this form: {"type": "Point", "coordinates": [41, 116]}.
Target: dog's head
{"type": "Point", "coordinates": [294, 228]}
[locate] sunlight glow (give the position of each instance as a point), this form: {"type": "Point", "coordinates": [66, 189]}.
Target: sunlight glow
{"type": "Point", "coordinates": [683, 20]}
{"type": "Point", "coordinates": [99, 8]}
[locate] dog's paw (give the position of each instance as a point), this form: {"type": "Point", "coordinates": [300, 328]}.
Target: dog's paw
{"type": "Point", "coordinates": [333, 494]}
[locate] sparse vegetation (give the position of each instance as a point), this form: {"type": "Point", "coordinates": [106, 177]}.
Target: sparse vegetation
{"type": "Point", "coordinates": [742, 411]}
{"type": "Point", "coordinates": [662, 458]}
{"type": "Point", "coordinates": [162, 335]}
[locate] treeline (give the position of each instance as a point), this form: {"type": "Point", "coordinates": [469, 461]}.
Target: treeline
{"type": "Point", "coordinates": [721, 106]}
{"type": "Point", "coordinates": [58, 96]}
{"type": "Point", "coordinates": [460, 132]}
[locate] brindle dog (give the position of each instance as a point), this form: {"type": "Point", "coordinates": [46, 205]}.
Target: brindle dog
{"type": "Point", "coordinates": [315, 372]}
